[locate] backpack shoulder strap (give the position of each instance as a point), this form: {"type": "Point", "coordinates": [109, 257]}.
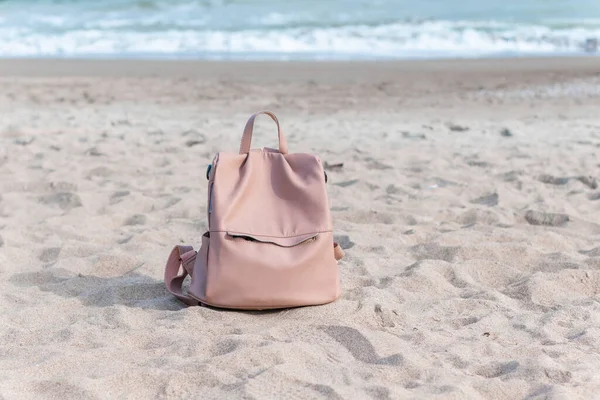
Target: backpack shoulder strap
{"type": "Point", "coordinates": [181, 256]}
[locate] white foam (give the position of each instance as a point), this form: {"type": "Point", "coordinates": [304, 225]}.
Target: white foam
{"type": "Point", "coordinates": [391, 40]}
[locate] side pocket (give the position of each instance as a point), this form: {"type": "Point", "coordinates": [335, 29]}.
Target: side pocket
{"type": "Point", "coordinates": [198, 285]}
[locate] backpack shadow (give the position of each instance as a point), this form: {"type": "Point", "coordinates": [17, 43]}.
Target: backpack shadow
{"type": "Point", "coordinates": [131, 290]}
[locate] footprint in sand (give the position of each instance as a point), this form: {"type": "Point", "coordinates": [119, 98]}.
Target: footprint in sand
{"type": "Point", "coordinates": [495, 370]}
{"type": "Point", "coordinates": [223, 347]}
{"type": "Point", "coordinates": [58, 389]}
{"type": "Point", "coordinates": [489, 200]}
{"type": "Point", "coordinates": [546, 219]}
{"type": "Point", "coordinates": [137, 219]}
{"type": "Point", "coordinates": [594, 196]}
{"type": "Point", "coordinates": [64, 200]}
{"type": "Point", "coordinates": [433, 251]}
{"type": "Point", "coordinates": [118, 196]}
{"type": "Point", "coordinates": [378, 392]}
{"type": "Point", "coordinates": [595, 252]}
{"type": "Point", "coordinates": [358, 345]}
{"type": "Point", "coordinates": [49, 254]}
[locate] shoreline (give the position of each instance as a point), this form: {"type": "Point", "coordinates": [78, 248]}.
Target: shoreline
{"type": "Point", "coordinates": [101, 67]}
{"type": "Point", "coordinates": [497, 88]}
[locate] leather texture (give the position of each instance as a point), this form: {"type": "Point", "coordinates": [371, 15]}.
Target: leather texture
{"type": "Point", "coordinates": [270, 240]}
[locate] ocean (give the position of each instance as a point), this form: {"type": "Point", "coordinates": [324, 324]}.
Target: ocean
{"type": "Point", "coordinates": [294, 29]}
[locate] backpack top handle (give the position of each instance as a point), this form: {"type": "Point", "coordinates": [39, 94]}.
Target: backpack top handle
{"type": "Point", "coordinates": [247, 137]}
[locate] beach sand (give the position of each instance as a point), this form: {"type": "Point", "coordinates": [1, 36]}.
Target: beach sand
{"type": "Point", "coordinates": [467, 204]}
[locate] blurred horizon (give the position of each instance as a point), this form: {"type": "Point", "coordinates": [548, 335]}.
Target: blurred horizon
{"type": "Point", "coordinates": [258, 29]}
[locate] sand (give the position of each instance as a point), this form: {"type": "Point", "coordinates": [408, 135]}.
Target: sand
{"type": "Point", "coordinates": [467, 204]}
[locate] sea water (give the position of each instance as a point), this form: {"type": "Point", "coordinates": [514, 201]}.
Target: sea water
{"type": "Point", "coordinates": [298, 29]}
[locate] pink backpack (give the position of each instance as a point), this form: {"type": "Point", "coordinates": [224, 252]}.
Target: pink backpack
{"type": "Point", "coordinates": [269, 242]}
